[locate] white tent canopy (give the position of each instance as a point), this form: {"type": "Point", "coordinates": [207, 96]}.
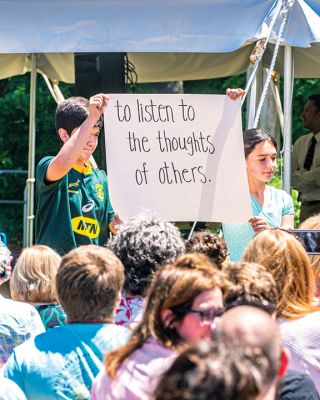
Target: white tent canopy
{"type": "Point", "coordinates": [167, 40]}
{"type": "Point", "coordinates": [34, 26]}
{"type": "Point", "coordinates": [185, 39]}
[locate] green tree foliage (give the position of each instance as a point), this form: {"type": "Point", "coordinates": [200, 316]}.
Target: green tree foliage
{"type": "Point", "coordinates": [14, 127]}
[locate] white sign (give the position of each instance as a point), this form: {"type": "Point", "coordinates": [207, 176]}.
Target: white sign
{"type": "Point", "coordinates": [180, 156]}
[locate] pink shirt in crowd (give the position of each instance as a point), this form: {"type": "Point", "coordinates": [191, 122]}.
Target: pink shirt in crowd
{"type": "Point", "coordinates": [138, 376]}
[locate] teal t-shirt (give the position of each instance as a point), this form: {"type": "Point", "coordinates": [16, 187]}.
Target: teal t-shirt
{"type": "Point", "coordinates": [63, 362]}
{"type": "Point", "coordinates": [73, 211]}
{"type": "Point", "coordinates": [237, 236]}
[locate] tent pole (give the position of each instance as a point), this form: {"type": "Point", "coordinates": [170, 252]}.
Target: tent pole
{"type": "Point", "coordinates": [31, 157]}
{"type": "Point", "coordinates": [287, 113]}
{"type": "Point", "coordinates": [251, 101]}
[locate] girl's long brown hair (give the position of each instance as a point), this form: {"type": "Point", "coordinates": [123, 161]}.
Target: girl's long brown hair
{"type": "Point", "coordinates": [176, 284]}
{"type": "Point", "coordinates": [283, 255]}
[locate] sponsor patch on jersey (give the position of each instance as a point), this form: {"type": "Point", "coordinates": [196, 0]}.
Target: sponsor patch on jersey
{"type": "Point", "coordinates": [99, 191]}
{"type": "Point", "coordinates": [85, 226]}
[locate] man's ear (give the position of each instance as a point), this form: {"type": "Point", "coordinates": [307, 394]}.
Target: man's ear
{"type": "Point", "coordinates": [63, 134]}
{"type": "Point", "coordinates": [284, 362]}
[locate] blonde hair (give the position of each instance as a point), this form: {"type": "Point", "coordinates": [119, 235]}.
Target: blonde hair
{"type": "Point", "coordinates": [313, 223]}
{"type": "Point", "coordinates": [34, 275]}
{"type": "Point", "coordinates": [174, 286]}
{"type": "Point", "coordinates": [284, 256]}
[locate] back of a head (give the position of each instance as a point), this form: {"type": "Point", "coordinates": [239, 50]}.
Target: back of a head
{"type": "Point", "coordinates": [33, 277]}
{"type": "Point", "coordinates": [250, 328]}
{"type": "Point", "coordinates": [71, 113]}
{"type": "Point", "coordinates": [250, 284]}
{"type": "Point", "coordinates": [216, 371]}
{"type": "Point", "coordinates": [88, 282]}
{"type": "Point", "coordinates": [212, 245]}
{"type": "Point", "coordinates": [143, 244]}
{"type": "Point", "coordinates": [284, 256]}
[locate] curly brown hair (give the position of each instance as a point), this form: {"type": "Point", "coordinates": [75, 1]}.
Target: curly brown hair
{"type": "Point", "coordinates": [210, 244]}
{"type": "Point", "coordinates": [251, 284]}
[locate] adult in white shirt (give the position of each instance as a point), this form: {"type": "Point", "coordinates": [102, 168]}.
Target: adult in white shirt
{"type": "Point", "coordinates": [306, 160]}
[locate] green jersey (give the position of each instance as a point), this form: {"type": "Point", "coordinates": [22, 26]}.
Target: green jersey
{"type": "Point", "coordinates": [73, 211]}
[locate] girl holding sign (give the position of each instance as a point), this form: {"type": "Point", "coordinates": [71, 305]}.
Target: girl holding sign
{"type": "Point", "coordinates": [271, 207]}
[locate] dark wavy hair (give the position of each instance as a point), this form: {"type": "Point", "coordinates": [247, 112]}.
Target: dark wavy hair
{"type": "Point", "coordinates": [251, 137]}
{"type": "Point", "coordinates": [143, 243]}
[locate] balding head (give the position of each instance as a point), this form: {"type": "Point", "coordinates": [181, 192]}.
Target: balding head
{"type": "Point", "coordinates": [253, 329]}
{"type": "Point", "coordinates": [242, 361]}
{"type": "Point", "coordinates": [250, 326]}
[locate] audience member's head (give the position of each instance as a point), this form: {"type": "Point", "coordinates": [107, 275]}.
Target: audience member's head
{"type": "Point", "coordinates": [242, 363]}
{"type": "Point", "coordinates": [88, 284]}
{"type": "Point", "coordinates": [311, 113]}
{"type": "Point", "coordinates": [210, 244]}
{"type": "Point", "coordinates": [250, 284]}
{"type": "Point", "coordinates": [284, 256]}
{"type": "Point", "coordinates": [33, 277]}
{"type": "Point", "coordinates": [143, 244]}
{"type": "Point", "coordinates": [182, 302]}
{"type": "Point", "coordinates": [313, 223]}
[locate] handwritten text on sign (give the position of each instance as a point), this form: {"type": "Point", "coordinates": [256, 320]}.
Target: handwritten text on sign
{"type": "Point", "coordinates": [178, 155]}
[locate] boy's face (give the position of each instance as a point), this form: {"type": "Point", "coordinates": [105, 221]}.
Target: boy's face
{"type": "Point", "coordinates": [91, 144]}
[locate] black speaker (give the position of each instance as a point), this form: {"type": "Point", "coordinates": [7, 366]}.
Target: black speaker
{"type": "Point", "coordinates": [99, 73]}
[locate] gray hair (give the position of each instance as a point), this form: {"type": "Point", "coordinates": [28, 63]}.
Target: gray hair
{"type": "Point", "coordinates": [143, 243]}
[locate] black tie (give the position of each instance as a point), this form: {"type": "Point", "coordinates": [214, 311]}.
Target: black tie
{"type": "Point", "coordinates": [309, 157]}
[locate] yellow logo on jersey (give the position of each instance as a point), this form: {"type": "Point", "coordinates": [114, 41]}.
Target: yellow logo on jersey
{"type": "Point", "coordinates": [99, 191]}
{"type": "Point", "coordinates": [86, 227]}
{"type": "Point", "coordinates": [74, 184]}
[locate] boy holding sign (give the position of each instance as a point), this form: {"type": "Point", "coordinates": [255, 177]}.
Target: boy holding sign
{"type": "Point", "coordinates": [73, 205]}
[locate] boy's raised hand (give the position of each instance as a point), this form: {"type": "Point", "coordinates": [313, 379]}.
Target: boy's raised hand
{"type": "Point", "coordinates": [96, 104]}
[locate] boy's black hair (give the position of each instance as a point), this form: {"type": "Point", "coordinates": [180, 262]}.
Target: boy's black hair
{"type": "Point", "coordinates": [71, 113]}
